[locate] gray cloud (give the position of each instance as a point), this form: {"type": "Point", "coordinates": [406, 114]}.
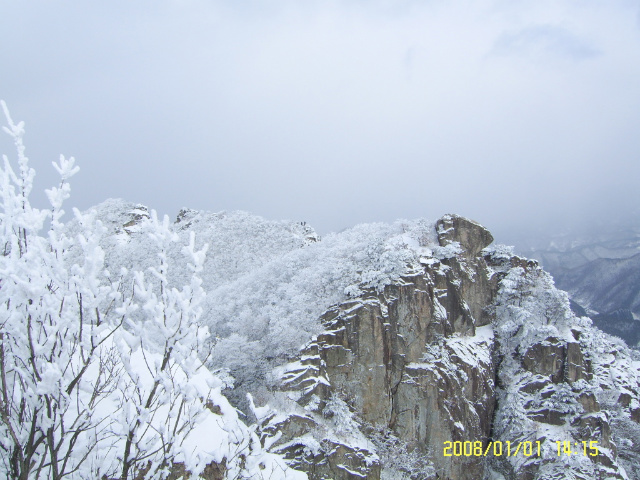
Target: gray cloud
{"type": "Point", "coordinates": [333, 112]}
{"type": "Point", "coordinates": [544, 41]}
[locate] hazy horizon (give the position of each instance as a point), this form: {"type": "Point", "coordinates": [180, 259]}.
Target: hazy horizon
{"type": "Point", "coordinates": [520, 115]}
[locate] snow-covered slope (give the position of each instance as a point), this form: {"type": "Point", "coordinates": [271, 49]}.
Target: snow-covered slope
{"type": "Point", "coordinates": [100, 375]}
{"type": "Point", "coordinates": [217, 441]}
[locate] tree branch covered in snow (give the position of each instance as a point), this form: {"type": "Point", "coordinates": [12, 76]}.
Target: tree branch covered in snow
{"type": "Point", "coordinates": [99, 373]}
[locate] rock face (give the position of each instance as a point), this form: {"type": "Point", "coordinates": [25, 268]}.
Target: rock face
{"type": "Point", "coordinates": [467, 352]}
{"type": "Point", "coordinates": [552, 387]}
{"type": "Point", "coordinates": [472, 236]}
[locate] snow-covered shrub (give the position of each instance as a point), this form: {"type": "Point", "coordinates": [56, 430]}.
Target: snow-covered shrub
{"type": "Point", "coordinates": [399, 460]}
{"type": "Point", "coordinates": [53, 323]}
{"type": "Point", "coordinates": [499, 251]}
{"type": "Point", "coordinates": [99, 373]}
{"type": "Point", "coordinates": [168, 326]}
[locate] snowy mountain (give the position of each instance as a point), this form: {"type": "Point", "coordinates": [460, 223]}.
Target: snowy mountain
{"type": "Point", "coordinates": [102, 372]}
{"type": "Point", "coordinates": [600, 270]}
{"type": "Point", "coordinates": [385, 351]}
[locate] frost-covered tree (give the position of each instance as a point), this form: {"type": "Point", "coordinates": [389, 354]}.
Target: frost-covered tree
{"type": "Point", "coordinates": [97, 377]}
{"type": "Point", "coordinates": [53, 322]}
{"type": "Point", "coordinates": [168, 326]}
{"type": "Point", "coordinates": [100, 376]}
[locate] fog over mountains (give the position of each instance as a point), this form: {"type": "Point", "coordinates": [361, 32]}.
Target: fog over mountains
{"type": "Point", "coordinates": [517, 114]}
{"type": "Point", "coordinates": [599, 265]}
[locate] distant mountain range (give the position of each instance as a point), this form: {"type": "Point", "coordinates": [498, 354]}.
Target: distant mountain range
{"type": "Point", "coordinates": [600, 269]}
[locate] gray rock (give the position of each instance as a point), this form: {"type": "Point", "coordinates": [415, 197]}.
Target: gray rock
{"type": "Point", "coordinates": [419, 358]}
{"type": "Point", "coordinates": [471, 236]}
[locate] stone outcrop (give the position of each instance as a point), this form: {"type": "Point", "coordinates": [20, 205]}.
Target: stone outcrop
{"type": "Point", "coordinates": [422, 358]}
{"type": "Point", "coordinates": [547, 384]}
{"type": "Point", "coordinates": [408, 358]}
{"type": "Point", "coordinates": [442, 339]}
{"type": "Point", "coordinates": [472, 236]}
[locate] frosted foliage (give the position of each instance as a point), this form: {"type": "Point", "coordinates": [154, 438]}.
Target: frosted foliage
{"type": "Point", "coordinates": [279, 303]}
{"type": "Point", "coordinates": [616, 372]}
{"type": "Point", "coordinates": [341, 424]}
{"type": "Point", "coordinates": [99, 373]}
{"type": "Point", "coordinates": [268, 282]}
{"type": "Point", "coordinates": [401, 462]}
{"type": "Point", "coordinates": [499, 251]}
{"type": "Point", "coordinates": [528, 310]}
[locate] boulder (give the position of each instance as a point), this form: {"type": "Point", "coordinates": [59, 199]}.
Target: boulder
{"type": "Point", "coordinates": [471, 236]}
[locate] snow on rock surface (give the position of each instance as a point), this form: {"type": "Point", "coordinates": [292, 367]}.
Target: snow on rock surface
{"type": "Point", "coordinates": [479, 349]}
{"type": "Point", "coordinates": [410, 350]}
{"type": "Point", "coordinates": [268, 282]}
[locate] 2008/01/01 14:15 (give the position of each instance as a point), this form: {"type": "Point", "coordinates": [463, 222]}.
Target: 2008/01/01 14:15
{"type": "Point", "coordinates": [469, 449]}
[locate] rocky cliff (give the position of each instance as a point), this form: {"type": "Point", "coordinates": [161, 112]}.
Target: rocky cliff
{"type": "Point", "coordinates": [473, 346]}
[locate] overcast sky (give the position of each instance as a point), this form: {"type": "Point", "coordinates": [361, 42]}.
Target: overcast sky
{"type": "Point", "coordinates": [510, 112]}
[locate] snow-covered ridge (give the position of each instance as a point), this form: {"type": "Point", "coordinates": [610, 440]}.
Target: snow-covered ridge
{"type": "Point", "coordinates": [268, 282]}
